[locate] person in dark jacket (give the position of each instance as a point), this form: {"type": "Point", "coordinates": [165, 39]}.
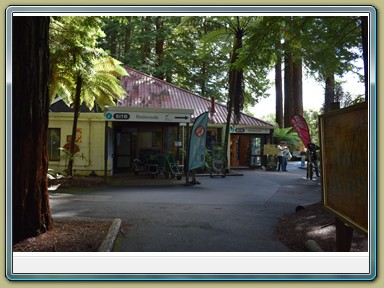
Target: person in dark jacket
{"type": "Point", "coordinates": [313, 151]}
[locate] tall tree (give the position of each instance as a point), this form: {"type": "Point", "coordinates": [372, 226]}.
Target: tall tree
{"type": "Point", "coordinates": [235, 28]}
{"type": "Point", "coordinates": [101, 85]}
{"type": "Point", "coordinates": [364, 40]}
{"type": "Point", "coordinates": [200, 66]}
{"type": "Point", "coordinates": [91, 73]}
{"type": "Point", "coordinates": [298, 87]}
{"type": "Point", "coordinates": [288, 89]}
{"type": "Point", "coordinates": [279, 86]}
{"type": "Point", "coordinates": [159, 48]}
{"type": "Point", "coordinates": [332, 51]}
{"type": "Point", "coordinates": [324, 45]}
{"type": "Point", "coordinates": [245, 79]}
{"type": "Point", "coordinates": [31, 213]}
{"type": "Point", "coordinates": [203, 61]}
{"type": "Point", "coordinates": [294, 27]}
{"type": "Point", "coordinates": [280, 34]}
{"type": "Point", "coordinates": [175, 52]}
{"type": "Point", "coordinates": [146, 38]}
{"type": "Point", "coordinates": [329, 95]}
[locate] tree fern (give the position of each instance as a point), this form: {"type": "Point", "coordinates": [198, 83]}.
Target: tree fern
{"type": "Point", "coordinates": [102, 85]}
{"type": "Point", "coordinates": [287, 135]}
{"type": "Point", "coordinates": [81, 72]}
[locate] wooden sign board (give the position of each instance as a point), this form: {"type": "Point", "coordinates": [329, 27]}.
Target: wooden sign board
{"type": "Point", "coordinates": [270, 149]}
{"type": "Point", "coordinates": [344, 163]}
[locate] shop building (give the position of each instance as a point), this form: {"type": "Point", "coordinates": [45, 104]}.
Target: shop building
{"type": "Point", "coordinates": [153, 118]}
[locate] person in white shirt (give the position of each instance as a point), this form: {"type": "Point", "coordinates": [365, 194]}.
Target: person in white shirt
{"type": "Point", "coordinates": [286, 156]}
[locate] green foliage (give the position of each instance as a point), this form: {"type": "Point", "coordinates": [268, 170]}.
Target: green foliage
{"type": "Point", "coordinates": [216, 154]}
{"type": "Point", "coordinates": [312, 119]}
{"type": "Point", "coordinates": [345, 98]}
{"type": "Point", "coordinates": [270, 118]}
{"type": "Point", "coordinates": [202, 60]}
{"type": "Point", "coordinates": [196, 52]}
{"type": "Point", "coordinates": [331, 45]}
{"type": "Point", "coordinates": [75, 52]}
{"type": "Point", "coordinates": [68, 157]}
{"type": "Point", "coordinates": [228, 57]}
{"type": "Point", "coordinates": [196, 49]}
{"type": "Point", "coordinates": [81, 72]}
{"type": "Point", "coordinates": [287, 135]}
{"type": "Point", "coordinates": [102, 84]}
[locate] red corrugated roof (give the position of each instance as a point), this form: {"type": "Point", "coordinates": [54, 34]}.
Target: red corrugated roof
{"type": "Point", "coordinates": [144, 90]}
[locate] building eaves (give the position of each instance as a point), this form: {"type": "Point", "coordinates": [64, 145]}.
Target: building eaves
{"type": "Point", "coordinates": [143, 90]}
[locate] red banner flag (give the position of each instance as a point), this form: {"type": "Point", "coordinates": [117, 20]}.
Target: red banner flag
{"type": "Point", "coordinates": [300, 126]}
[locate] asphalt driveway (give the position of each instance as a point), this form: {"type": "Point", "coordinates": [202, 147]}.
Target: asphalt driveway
{"type": "Point", "coordinates": [231, 214]}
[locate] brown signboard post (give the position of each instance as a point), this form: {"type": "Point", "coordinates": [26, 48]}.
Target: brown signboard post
{"type": "Point", "coordinates": [271, 154]}
{"type": "Point", "coordinates": [344, 163]}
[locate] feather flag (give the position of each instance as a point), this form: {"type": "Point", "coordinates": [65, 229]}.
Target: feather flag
{"type": "Point", "coordinates": [300, 126]}
{"type": "Point", "coordinates": [197, 142]}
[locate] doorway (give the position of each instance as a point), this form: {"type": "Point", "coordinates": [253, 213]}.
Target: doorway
{"type": "Point", "coordinates": [246, 150]}
{"type": "Point", "coordinates": [123, 148]}
{"type": "Point", "coordinates": [255, 151]}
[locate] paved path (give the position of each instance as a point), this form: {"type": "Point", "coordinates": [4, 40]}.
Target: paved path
{"type": "Point", "coordinates": [231, 214]}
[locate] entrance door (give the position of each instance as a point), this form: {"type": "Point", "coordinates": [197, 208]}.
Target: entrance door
{"type": "Point", "coordinates": [235, 150]}
{"type": "Point", "coordinates": [122, 159]}
{"type": "Point", "coordinates": [244, 150]}
{"type": "Point", "coordinates": [255, 151]}
{"type": "Point", "coordinates": [240, 149]}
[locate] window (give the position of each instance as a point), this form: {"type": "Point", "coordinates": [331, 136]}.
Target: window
{"type": "Point", "coordinates": [54, 144]}
{"type": "Point", "coordinates": [151, 139]}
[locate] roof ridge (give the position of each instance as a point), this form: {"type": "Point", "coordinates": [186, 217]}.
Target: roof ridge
{"type": "Point", "coordinates": [189, 92]}
{"type": "Point", "coordinates": [167, 83]}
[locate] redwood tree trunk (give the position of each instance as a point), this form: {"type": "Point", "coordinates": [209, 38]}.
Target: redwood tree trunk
{"type": "Point", "coordinates": [31, 213]}
{"type": "Point", "coordinates": [76, 114]}
{"type": "Point", "coordinates": [146, 43]}
{"type": "Point", "coordinates": [298, 88]}
{"type": "Point", "coordinates": [235, 92]}
{"type": "Point", "coordinates": [329, 92]}
{"type": "Point", "coordinates": [288, 90]}
{"type": "Point", "coordinates": [236, 79]}
{"type": "Point", "coordinates": [364, 39]}
{"type": "Point", "coordinates": [159, 48]}
{"type": "Point", "coordinates": [279, 89]}
{"type": "Point", "coordinates": [128, 36]}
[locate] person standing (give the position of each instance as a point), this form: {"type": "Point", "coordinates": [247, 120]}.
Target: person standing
{"type": "Point", "coordinates": [286, 156]}
{"type": "Point", "coordinates": [313, 151]}
{"type": "Point", "coordinates": [279, 156]}
{"type": "Point", "coordinates": [309, 164]}
{"type": "Point", "coordinates": [303, 156]}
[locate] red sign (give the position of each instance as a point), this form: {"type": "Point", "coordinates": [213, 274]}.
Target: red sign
{"type": "Point", "coordinates": [300, 125]}
{"type": "Point", "coordinates": [79, 136]}
{"type": "Point", "coordinates": [75, 148]}
{"type": "Point", "coordinates": [199, 131]}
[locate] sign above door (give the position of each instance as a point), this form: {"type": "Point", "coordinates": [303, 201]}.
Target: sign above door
{"type": "Point", "coordinates": [148, 115]}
